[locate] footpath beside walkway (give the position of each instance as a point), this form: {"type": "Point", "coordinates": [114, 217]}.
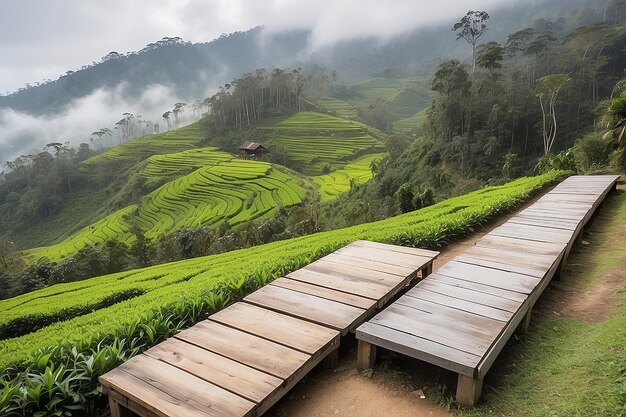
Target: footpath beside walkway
{"type": "Point", "coordinates": [461, 317]}
{"type": "Point", "coordinates": [243, 359]}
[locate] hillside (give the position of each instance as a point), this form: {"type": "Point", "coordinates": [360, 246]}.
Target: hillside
{"type": "Point", "coordinates": [316, 143]}
{"type": "Point", "coordinates": [84, 309]}
{"type": "Point", "coordinates": [163, 183]}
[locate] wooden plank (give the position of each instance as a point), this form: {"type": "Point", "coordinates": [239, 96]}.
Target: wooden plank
{"type": "Point", "coordinates": [279, 328]}
{"type": "Point", "coordinates": [245, 348]}
{"type": "Point", "coordinates": [531, 261]}
{"type": "Point", "coordinates": [242, 380]}
{"type": "Point", "coordinates": [533, 221]}
{"type": "Point", "coordinates": [418, 347]}
{"type": "Point", "coordinates": [502, 266]}
{"type": "Point", "coordinates": [521, 245]}
{"type": "Point", "coordinates": [477, 325]}
{"type": "Point", "coordinates": [397, 248]}
{"type": "Point", "coordinates": [192, 394]}
{"type": "Point", "coordinates": [335, 315]}
{"type": "Point", "coordinates": [467, 294]}
{"type": "Point", "coordinates": [328, 293]}
{"type": "Point", "coordinates": [365, 289]}
{"type": "Point", "coordinates": [473, 307]}
{"type": "Point", "coordinates": [492, 277]}
{"type": "Point", "coordinates": [536, 233]}
{"type": "Point", "coordinates": [436, 329]}
{"type": "Point", "coordinates": [385, 256]}
{"type": "Point", "coordinates": [354, 273]}
{"type": "Point", "coordinates": [485, 289]}
{"type": "Point", "coordinates": [370, 264]}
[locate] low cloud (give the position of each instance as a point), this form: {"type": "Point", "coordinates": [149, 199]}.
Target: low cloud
{"type": "Point", "coordinates": [21, 133]}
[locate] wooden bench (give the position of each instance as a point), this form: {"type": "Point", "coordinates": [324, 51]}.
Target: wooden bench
{"type": "Point", "coordinates": [243, 359]}
{"type": "Point", "coordinates": [461, 316]}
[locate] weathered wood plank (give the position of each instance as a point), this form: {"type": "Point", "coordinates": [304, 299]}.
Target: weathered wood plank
{"type": "Point", "coordinates": [418, 347]}
{"type": "Point", "coordinates": [389, 257]}
{"type": "Point", "coordinates": [515, 296]}
{"type": "Point", "coordinates": [365, 289]}
{"type": "Point", "coordinates": [327, 293]}
{"type": "Point", "coordinates": [521, 245]}
{"type": "Point", "coordinates": [335, 315]}
{"type": "Point", "coordinates": [161, 380]}
{"type": "Point", "coordinates": [245, 348]}
{"type": "Point", "coordinates": [397, 248]}
{"type": "Point", "coordinates": [297, 334]}
{"type": "Point", "coordinates": [467, 294]}
{"type": "Point", "coordinates": [353, 273]}
{"type": "Point", "coordinates": [370, 264]}
{"type": "Point", "coordinates": [472, 306]}
{"type": "Point", "coordinates": [502, 266]}
{"type": "Point", "coordinates": [492, 277]}
{"type": "Point", "coordinates": [428, 326]}
{"type": "Point", "coordinates": [240, 379]}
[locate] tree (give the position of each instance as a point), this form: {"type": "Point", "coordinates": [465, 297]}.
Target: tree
{"type": "Point", "coordinates": [614, 121]}
{"type": "Point", "coordinates": [374, 166]}
{"type": "Point", "coordinates": [166, 117]}
{"type": "Point", "coordinates": [405, 197]}
{"type": "Point", "coordinates": [547, 90]}
{"type": "Point", "coordinates": [470, 28]}
{"type": "Point", "coordinates": [490, 57]}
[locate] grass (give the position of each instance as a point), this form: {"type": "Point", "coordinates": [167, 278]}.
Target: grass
{"type": "Point", "coordinates": [339, 181]}
{"type": "Point", "coordinates": [315, 140]}
{"type": "Point", "coordinates": [566, 366]}
{"type": "Point", "coordinates": [172, 283]}
{"type": "Point", "coordinates": [139, 149]}
{"type": "Point", "coordinates": [232, 191]}
{"type": "Point", "coordinates": [411, 123]}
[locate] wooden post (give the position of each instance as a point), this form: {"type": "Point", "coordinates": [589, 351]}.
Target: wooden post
{"type": "Point", "coordinates": [428, 269]}
{"type": "Point", "coordinates": [332, 360]}
{"type": "Point", "coordinates": [365, 356]}
{"type": "Point", "coordinates": [118, 410]}
{"type": "Point", "coordinates": [468, 390]}
{"type": "Point", "coordinates": [525, 323]}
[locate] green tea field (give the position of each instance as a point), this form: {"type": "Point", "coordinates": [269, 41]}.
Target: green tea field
{"type": "Point", "coordinates": [339, 181]}
{"type": "Point", "coordinates": [317, 141]}
{"type": "Point", "coordinates": [83, 312]}
{"type": "Point", "coordinates": [230, 191]}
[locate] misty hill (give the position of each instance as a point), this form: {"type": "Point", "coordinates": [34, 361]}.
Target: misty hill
{"type": "Point", "coordinates": [192, 71]}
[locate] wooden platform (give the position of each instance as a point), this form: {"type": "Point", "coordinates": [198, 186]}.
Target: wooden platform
{"type": "Point", "coordinates": [461, 316]}
{"type": "Point", "coordinates": [243, 359]}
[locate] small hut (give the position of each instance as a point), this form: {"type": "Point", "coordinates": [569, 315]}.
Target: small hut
{"type": "Point", "coordinates": [250, 149]}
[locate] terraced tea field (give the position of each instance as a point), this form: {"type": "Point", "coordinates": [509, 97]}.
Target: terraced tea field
{"type": "Point", "coordinates": [414, 122]}
{"type": "Point", "coordinates": [81, 312]}
{"type": "Point", "coordinates": [232, 191]}
{"type": "Point", "coordinates": [337, 182]}
{"type": "Point", "coordinates": [316, 140]}
{"type": "Point", "coordinates": [180, 163]}
{"type": "Point", "coordinates": [139, 149]}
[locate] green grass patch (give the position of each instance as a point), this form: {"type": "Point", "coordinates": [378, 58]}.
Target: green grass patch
{"type": "Point", "coordinates": [431, 227]}
{"type": "Point", "coordinates": [339, 181]}
{"type": "Point", "coordinates": [409, 124]}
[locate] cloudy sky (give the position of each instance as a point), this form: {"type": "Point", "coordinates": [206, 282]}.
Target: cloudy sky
{"type": "Point", "coordinates": [42, 39]}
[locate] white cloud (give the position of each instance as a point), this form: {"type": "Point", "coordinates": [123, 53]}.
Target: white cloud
{"type": "Point", "coordinates": [45, 38]}
{"type": "Point", "coordinates": [22, 133]}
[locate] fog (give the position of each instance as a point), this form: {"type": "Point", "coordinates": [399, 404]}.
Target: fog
{"type": "Point", "coordinates": [22, 133]}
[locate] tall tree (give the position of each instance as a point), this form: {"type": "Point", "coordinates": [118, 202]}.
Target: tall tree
{"type": "Point", "coordinates": [470, 28]}
{"type": "Point", "coordinates": [547, 90]}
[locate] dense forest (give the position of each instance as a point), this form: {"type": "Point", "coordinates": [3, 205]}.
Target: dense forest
{"type": "Point", "coordinates": [547, 96]}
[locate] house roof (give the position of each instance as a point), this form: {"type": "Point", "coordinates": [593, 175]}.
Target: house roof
{"type": "Point", "coordinates": [250, 146]}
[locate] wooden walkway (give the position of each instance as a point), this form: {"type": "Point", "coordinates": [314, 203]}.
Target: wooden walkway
{"type": "Point", "coordinates": [241, 360]}
{"type": "Point", "coordinates": [461, 316]}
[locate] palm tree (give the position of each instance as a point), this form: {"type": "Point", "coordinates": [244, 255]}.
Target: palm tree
{"type": "Point", "coordinates": [614, 120]}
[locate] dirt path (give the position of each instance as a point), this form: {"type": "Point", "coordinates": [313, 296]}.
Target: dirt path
{"type": "Point", "coordinates": [572, 296]}
{"type": "Point", "coordinates": [346, 392]}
